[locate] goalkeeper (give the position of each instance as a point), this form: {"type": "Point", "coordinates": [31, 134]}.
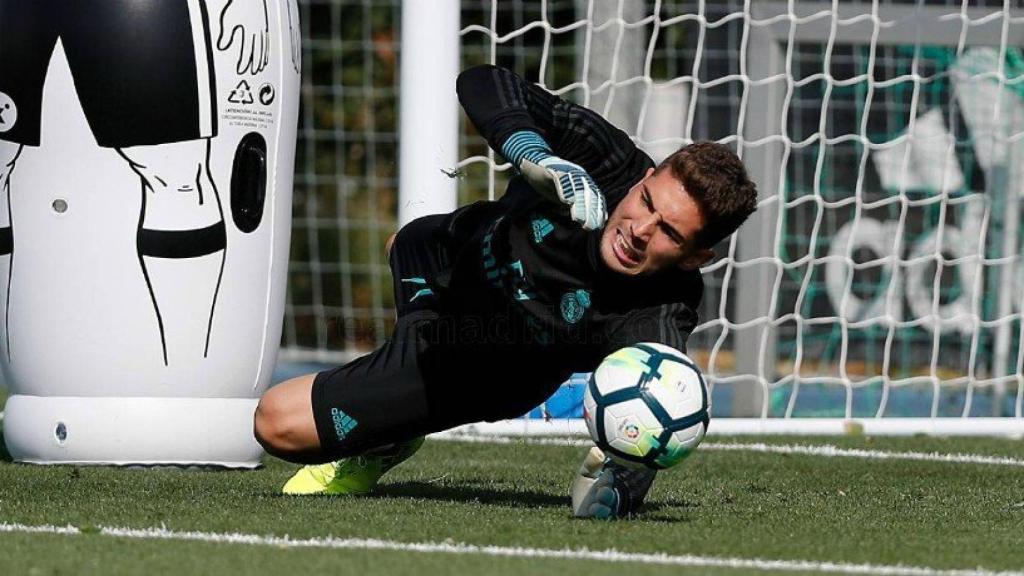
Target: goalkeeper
{"type": "Point", "coordinates": [500, 302]}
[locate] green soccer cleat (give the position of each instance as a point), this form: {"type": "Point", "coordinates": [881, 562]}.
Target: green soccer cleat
{"type": "Point", "coordinates": [355, 475]}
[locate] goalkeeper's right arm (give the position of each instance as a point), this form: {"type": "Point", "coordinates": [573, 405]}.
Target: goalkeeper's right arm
{"type": "Point", "coordinates": [501, 104]}
{"type": "Point", "coordinates": [557, 179]}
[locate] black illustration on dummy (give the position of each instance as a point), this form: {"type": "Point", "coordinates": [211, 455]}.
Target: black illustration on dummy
{"type": "Point", "coordinates": [251, 29]}
{"type": "Point", "coordinates": [161, 124]}
{"type": "Point", "coordinates": [295, 31]}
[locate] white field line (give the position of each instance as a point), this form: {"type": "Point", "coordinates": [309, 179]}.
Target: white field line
{"type": "Point", "coordinates": [333, 543]}
{"type": "Point", "coordinates": [827, 450]}
{"type": "Point", "coordinates": [834, 451]}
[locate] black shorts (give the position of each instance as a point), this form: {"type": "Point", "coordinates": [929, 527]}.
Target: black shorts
{"type": "Point", "coordinates": [438, 370]}
{"type": "Point", "coordinates": [381, 398]}
{"type": "Point", "coordinates": [143, 71]}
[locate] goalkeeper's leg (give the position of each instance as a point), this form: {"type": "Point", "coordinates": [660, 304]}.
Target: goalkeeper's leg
{"type": "Point", "coordinates": [370, 413]}
{"type": "Point", "coordinates": [606, 490]}
{"type": "Point", "coordinates": [353, 475]}
{"type": "Point", "coordinates": [286, 427]}
{"type": "Point", "coordinates": [374, 407]}
{"type": "Point", "coordinates": [351, 424]}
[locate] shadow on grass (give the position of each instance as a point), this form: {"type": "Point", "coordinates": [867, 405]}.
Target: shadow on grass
{"type": "Point", "coordinates": [667, 511]}
{"type": "Point", "coordinates": [661, 512]}
{"type": "Point", "coordinates": [652, 511]}
{"type": "Point", "coordinates": [469, 493]}
{"type": "Point", "coordinates": [4, 455]}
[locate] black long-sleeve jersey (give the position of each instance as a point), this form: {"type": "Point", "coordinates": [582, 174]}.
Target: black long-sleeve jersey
{"type": "Point", "coordinates": [533, 299]}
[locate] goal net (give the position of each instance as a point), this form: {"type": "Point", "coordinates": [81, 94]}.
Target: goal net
{"type": "Point", "coordinates": [880, 278]}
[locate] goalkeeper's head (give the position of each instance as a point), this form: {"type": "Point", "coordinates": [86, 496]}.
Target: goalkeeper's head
{"type": "Point", "coordinates": [675, 215]}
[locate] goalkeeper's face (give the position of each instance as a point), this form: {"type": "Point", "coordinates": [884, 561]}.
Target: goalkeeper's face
{"type": "Point", "coordinates": [654, 228]}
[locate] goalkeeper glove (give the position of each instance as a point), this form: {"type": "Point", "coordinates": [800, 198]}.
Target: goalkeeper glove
{"type": "Point", "coordinates": [556, 179]}
{"type": "Point", "coordinates": [606, 490]}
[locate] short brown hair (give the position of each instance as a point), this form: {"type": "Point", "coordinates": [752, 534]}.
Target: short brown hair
{"type": "Point", "coordinates": [717, 180]}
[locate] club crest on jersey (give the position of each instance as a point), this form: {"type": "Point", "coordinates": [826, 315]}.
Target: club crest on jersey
{"type": "Point", "coordinates": [574, 304]}
{"type": "Point", "coordinates": [8, 113]}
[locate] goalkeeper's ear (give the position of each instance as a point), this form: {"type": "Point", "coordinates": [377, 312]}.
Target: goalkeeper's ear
{"type": "Point", "coordinates": [696, 258]}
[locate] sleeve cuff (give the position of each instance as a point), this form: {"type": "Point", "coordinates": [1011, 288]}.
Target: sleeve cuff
{"type": "Point", "coordinates": [525, 145]}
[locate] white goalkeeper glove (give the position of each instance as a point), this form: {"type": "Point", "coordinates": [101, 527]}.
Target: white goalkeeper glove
{"type": "Point", "coordinates": [557, 179]}
{"type": "Point", "coordinates": [606, 490]}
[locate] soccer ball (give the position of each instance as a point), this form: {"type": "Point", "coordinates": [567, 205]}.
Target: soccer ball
{"type": "Point", "coordinates": [647, 406]}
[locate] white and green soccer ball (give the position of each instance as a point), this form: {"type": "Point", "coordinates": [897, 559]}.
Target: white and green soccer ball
{"type": "Point", "coordinates": [647, 406]}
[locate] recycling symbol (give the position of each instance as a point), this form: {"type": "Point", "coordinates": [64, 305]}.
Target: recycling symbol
{"type": "Point", "coordinates": [266, 94]}
{"type": "Point", "coordinates": [242, 94]}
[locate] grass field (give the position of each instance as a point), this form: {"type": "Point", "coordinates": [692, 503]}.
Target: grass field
{"type": "Point", "coordinates": [720, 504]}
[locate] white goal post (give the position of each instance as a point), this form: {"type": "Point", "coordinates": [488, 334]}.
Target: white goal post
{"type": "Point", "coordinates": [880, 286]}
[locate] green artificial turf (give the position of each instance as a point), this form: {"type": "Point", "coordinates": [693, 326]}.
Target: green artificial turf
{"type": "Point", "coordinates": [718, 503]}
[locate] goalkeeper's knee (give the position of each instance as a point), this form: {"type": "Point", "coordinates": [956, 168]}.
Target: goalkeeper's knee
{"type": "Point", "coordinates": [283, 423]}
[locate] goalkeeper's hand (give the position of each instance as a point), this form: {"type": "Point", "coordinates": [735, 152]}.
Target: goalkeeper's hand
{"type": "Point", "coordinates": [557, 179]}
{"type": "Point", "coordinates": [593, 495]}
{"type": "Point", "coordinates": [606, 490]}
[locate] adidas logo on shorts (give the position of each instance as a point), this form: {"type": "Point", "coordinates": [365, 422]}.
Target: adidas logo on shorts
{"type": "Point", "coordinates": [343, 423]}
